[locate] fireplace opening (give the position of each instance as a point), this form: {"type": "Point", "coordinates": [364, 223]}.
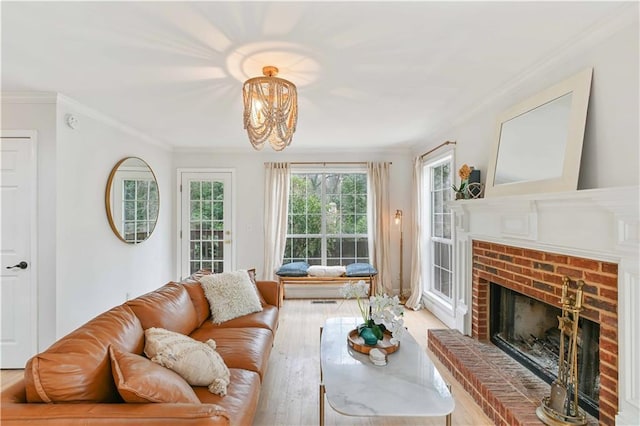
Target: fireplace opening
{"type": "Point", "coordinates": [527, 330]}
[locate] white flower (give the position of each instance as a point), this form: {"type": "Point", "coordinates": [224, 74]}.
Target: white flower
{"type": "Point", "coordinates": [359, 289]}
{"type": "Point", "coordinates": [383, 309]}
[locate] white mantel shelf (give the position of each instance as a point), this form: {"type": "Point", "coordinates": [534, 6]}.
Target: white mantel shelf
{"type": "Point", "coordinates": [601, 224]}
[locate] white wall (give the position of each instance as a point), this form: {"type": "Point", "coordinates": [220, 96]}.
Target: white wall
{"type": "Point", "coordinates": [249, 194]}
{"type": "Point", "coordinates": [41, 116]}
{"type": "Point", "coordinates": [610, 154]}
{"type": "Point", "coordinates": [83, 269]}
{"type": "Point", "coordinates": [96, 270]}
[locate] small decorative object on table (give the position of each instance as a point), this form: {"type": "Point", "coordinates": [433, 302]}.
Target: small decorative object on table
{"type": "Point", "coordinates": [383, 323]}
{"type": "Point", "coordinates": [378, 356]}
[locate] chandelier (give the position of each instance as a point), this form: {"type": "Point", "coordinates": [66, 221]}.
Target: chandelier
{"type": "Point", "coordinates": [270, 109]}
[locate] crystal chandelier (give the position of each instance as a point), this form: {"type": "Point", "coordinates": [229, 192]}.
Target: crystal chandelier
{"type": "Point", "coordinates": [270, 109]}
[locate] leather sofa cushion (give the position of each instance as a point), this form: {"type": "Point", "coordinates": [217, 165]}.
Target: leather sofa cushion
{"type": "Point", "coordinates": [200, 303]}
{"type": "Point", "coordinates": [169, 307]}
{"type": "Point", "coordinates": [246, 348]}
{"type": "Point", "coordinates": [267, 318]}
{"type": "Point", "coordinates": [77, 367]}
{"type": "Point", "coordinates": [242, 396]}
{"type": "Point", "coordinates": [139, 380]}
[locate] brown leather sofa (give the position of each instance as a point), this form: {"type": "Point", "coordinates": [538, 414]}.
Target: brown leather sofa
{"type": "Point", "coordinates": [71, 382]}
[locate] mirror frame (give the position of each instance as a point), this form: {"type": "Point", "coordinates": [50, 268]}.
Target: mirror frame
{"type": "Point", "coordinates": [107, 199]}
{"type": "Point", "coordinates": [580, 86]}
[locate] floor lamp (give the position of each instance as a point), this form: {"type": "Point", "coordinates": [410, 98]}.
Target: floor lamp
{"type": "Point", "coordinates": [398, 221]}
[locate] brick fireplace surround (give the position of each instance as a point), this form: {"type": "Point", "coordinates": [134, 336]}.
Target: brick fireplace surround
{"type": "Point", "coordinates": [538, 274]}
{"type": "Point", "coordinates": [527, 243]}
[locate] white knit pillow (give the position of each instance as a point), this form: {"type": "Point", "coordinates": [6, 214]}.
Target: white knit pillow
{"type": "Point", "coordinates": [197, 362]}
{"type": "Point", "coordinates": [230, 295]}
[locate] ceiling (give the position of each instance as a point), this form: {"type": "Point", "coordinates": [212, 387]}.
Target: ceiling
{"type": "Point", "coordinates": [380, 75]}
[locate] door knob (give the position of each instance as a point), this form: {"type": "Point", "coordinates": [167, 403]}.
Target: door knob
{"type": "Point", "coordinates": [21, 265]}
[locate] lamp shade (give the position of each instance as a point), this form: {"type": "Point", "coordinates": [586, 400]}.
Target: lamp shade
{"type": "Point", "coordinates": [270, 110]}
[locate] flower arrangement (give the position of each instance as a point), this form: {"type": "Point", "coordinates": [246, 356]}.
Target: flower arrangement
{"type": "Point", "coordinates": [464, 173]}
{"type": "Point", "coordinates": [379, 314]}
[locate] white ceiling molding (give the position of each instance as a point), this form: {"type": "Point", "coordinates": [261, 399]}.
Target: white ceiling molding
{"type": "Point", "coordinates": [29, 97]}
{"type": "Point", "coordinates": [105, 119]}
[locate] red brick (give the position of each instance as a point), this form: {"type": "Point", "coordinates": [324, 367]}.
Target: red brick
{"type": "Point", "coordinates": [534, 254]}
{"type": "Point", "coordinates": [515, 250]}
{"type": "Point", "coordinates": [608, 357]}
{"type": "Point", "coordinates": [609, 268]}
{"type": "Point", "coordinates": [552, 278]}
{"type": "Point", "coordinates": [499, 248]}
{"type": "Point", "coordinates": [579, 262]}
{"type": "Point", "coordinates": [609, 332]}
{"type": "Point", "coordinates": [481, 244]}
{"type": "Point", "coordinates": [522, 279]}
{"type": "Point", "coordinates": [608, 280]}
{"type": "Point", "coordinates": [523, 261]}
{"type": "Point", "coordinates": [556, 258]}
{"type": "Point", "coordinates": [609, 294]}
{"type": "Point", "coordinates": [513, 268]}
{"type": "Point", "coordinates": [608, 319]}
{"type": "Point", "coordinates": [574, 274]}
{"type": "Point", "coordinates": [608, 345]}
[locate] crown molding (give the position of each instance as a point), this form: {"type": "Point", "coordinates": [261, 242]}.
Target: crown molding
{"type": "Point", "coordinates": [105, 119]}
{"type": "Point", "coordinates": [616, 21]}
{"type": "Point", "coordinates": [14, 97]}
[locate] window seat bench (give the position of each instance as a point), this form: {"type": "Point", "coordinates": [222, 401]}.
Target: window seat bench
{"type": "Point", "coordinates": [289, 285]}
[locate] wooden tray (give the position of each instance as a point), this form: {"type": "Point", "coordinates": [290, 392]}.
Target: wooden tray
{"type": "Point", "coordinates": [357, 343]}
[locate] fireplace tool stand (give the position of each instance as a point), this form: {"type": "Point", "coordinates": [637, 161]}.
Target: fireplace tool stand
{"type": "Point", "coordinates": [561, 406]}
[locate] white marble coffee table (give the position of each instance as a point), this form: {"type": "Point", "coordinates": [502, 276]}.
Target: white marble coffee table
{"type": "Point", "coordinates": [408, 386]}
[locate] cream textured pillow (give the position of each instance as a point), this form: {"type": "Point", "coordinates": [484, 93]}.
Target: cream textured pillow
{"type": "Point", "coordinates": [197, 362]}
{"type": "Point", "coordinates": [230, 295]}
{"type": "Point", "coordinates": [326, 271]}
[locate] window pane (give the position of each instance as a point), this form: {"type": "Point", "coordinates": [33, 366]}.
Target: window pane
{"type": "Point", "coordinates": [129, 189]}
{"type": "Point", "coordinates": [362, 248]}
{"type": "Point", "coordinates": [206, 190]}
{"type": "Point", "coordinates": [195, 191]}
{"type": "Point", "coordinates": [330, 208]}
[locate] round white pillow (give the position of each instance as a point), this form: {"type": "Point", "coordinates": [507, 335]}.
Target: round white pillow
{"type": "Point", "coordinates": [197, 362]}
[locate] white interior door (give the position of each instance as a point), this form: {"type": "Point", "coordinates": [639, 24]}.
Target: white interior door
{"type": "Point", "coordinates": [18, 282]}
{"type": "Point", "coordinates": [206, 229]}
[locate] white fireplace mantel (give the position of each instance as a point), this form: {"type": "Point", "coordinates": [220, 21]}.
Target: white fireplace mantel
{"type": "Point", "coordinates": [601, 224]}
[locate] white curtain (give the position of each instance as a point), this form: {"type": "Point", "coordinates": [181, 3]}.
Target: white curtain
{"type": "Point", "coordinates": [379, 222]}
{"type": "Point", "coordinates": [416, 259]}
{"type": "Point", "coordinates": [276, 201]}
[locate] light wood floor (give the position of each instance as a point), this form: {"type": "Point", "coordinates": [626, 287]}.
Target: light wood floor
{"type": "Point", "coordinates": [289, 395]}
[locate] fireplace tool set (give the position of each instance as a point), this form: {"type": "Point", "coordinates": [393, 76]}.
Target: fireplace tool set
{"type": "Point", "coordinates": [561, 406]}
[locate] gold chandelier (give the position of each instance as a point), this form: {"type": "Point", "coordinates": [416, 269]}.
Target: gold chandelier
{"type": "Point", "coordinates": [270, 109]}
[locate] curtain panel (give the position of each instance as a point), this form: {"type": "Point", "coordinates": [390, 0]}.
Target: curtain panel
{"type": "Point", "coordinates": [417, 286]}
{"type": "Point", "coordinates": [379, 223]}
{"type": "Point", "coordinates": [276, 202]}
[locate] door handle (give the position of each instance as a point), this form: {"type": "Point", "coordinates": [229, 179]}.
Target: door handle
{"type": "Point", "coordinates": [21, 265]}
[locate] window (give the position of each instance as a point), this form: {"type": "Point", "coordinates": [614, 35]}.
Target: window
{"type": "Point", "coordinates": [139, 202]}
{"type": "Point", "coordinates": [327, 220]}
{"type": "Point", "coordinates": [441, 242]}
{"type": "Point", "coordinates": [437, 184]}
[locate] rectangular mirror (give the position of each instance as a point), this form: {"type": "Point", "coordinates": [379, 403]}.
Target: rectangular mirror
{"type": "Point", "coordinates": [538, 142]}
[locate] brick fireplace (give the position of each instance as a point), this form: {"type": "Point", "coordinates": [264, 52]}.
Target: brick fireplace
{"type": "Point", "coordinates": [528, 244]}
{"type": "Point", "coordinates": [538, 274]}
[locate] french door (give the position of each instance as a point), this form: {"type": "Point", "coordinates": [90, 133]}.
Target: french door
{"type": "Point", "coordinates": [205, 224]}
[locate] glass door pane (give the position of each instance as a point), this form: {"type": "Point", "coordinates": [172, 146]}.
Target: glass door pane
{"type": "Point", "coordinates": [206, 224]}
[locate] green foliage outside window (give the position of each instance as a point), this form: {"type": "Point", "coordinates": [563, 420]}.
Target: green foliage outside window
{"type": "Point", "coordinates": [327, 219]}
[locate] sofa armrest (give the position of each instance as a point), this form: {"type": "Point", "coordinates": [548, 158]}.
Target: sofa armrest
{"type": "Point", "coordinates": [17, 412]}
{"type": "Point", "coordinates": [270, 291]}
